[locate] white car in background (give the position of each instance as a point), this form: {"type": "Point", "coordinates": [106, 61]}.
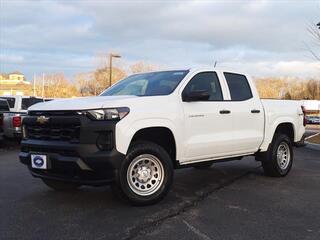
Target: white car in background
{"type": "Point", "coordinates": [4, 107]}
{"type": "Point", "coordinates": [18, 109]}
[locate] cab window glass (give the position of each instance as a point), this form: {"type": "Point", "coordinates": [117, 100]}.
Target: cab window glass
{"type": "Point", "coordinates": [28, 102]}
{"type": "Point", "coordinates": [206, 81]}
{"type": "Point", "coordinates": [4, 105]}
{"type": "Point", "coordinates": [11, 101]}
{"type": "Point", "coordinates": [238, 86]}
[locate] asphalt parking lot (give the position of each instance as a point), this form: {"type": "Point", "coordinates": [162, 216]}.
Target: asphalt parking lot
{"type": "Point", "coordinates": [231, 200]}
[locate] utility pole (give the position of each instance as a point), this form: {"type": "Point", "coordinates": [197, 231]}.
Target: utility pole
{"type": "Point", "coordinates": [34, 84]}
{"type": "Point", "coordinates": [110, 66]}
{"type": "Point", "coordinates": [42, 85]}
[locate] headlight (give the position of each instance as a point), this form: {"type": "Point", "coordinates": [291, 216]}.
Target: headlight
{"type": "Point", "coordinates": [108, 113]}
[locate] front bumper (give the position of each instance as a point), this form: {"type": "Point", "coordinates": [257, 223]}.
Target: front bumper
{"type": "Point", "coordinates": [79, 162]}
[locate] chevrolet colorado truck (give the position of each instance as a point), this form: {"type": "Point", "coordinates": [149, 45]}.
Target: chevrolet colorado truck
{"type": "Point", "coordinates": [139, 130]}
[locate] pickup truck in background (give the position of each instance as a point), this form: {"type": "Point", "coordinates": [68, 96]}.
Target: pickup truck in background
{"type": "Point", "coordinates": [18, 109]}
{"type": "Point", "coordinates": [139, 130]}
{"type": "Point", "coordinates": [4, 107]}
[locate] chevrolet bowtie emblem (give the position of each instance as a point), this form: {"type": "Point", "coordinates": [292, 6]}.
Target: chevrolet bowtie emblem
{"type": "Point", "coordinates": [42, 119]}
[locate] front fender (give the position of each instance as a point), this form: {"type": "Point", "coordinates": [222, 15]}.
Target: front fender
{"type": "Point", "coordinates": [125, 132]}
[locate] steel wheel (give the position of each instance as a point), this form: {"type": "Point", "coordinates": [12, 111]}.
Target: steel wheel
{"type": "Point", "coordinates": [145, 174]}
{"type": "Point", "coordinates": [283, 155]}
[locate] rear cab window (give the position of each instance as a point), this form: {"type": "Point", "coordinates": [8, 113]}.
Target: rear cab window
{"type": "Point", "coordinates": [28, 102]}
{"type": "Point", "coordinates": [11, 101]}
{"type": "Point", "coordinates": [4, 106]}
{"type": "Point", "coordinates": [239, 86]}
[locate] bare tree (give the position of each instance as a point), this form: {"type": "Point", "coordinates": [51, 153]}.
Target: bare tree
{"type": "Point", "coordinates": [56, 86]}
{"type": "Point", "coordinates": [85, 83]}
{"type": "Point", "coordinates": [288, 88]}
{"type": "Point", "coordinates": [142, 67]}
{"type": "Point", "coordinates": [314, 31]}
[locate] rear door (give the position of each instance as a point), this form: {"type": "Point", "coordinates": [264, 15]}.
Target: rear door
{"type": "Point", "coordinates": [247, 114]}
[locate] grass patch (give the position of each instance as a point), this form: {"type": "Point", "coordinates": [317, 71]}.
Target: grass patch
{"type": "Point", "coordinates": [313, 126]}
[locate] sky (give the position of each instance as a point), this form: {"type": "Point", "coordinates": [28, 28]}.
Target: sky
{"type": "Point", "coordinates": [263, 38]}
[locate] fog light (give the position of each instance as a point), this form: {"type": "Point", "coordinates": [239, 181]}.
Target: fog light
{"type": "Point", "coordinates": [105, 141]}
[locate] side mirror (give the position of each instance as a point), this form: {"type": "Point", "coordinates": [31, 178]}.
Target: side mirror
{"type": "Point", "coordinates": [194, 96]}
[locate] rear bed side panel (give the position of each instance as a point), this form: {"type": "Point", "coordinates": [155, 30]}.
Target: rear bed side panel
{"type": "Point", "coordinates": [278, 112]}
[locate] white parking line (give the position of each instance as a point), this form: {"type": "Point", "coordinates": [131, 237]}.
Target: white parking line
{"type": "Point", "coordinates": [312, 136]}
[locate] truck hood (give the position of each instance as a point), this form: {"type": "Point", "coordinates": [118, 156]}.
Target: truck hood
{"type": "Point", "coordinates": [82, 103]}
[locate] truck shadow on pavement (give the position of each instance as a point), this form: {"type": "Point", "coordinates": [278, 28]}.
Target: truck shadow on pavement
{"type": "Point", "coordinates": [30, 210]}
{"type": "Point", "coordinates": [99, 205]}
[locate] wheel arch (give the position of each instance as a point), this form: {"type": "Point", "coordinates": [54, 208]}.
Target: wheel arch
{"type": "Point", "coordinates": [285, 127]}
{"type": "Point", "coordinates": [162, 136]}
{"type": "Point", "coordinates": [159, 131]}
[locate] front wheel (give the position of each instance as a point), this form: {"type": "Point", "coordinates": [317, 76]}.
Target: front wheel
{"type": "Point", "coordinates": [280, 157]}
{"type": "Point", "coordinates": [145, 175]}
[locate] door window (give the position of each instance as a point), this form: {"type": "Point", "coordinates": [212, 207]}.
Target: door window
{"type": "Point", "coordinates": [205, 81]}
{"type": "Point", "coordinates": [238, 86]}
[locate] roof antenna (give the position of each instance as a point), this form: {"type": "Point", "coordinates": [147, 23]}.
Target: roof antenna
{"type": "Point", "coordinates": [215, 63]}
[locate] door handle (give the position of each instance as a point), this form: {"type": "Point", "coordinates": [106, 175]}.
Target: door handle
{"type": "Point", "coordinates": [225, 112]}
{"type": "Point", "coordinates": [255, 111]}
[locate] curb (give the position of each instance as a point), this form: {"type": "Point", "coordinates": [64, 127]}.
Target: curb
{"type": "Point", "coordinates": [313, 146]}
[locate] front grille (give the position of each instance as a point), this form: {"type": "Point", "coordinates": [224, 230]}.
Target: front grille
{"type": "Point", "coordinates": [63, 152]}
{"type": "Point", "coordinates": [64, 127]}
{"type": "Point", "coordinates": [56, 132]}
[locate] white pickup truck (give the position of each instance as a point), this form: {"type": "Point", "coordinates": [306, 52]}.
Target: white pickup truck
{"type": "Point", "coordinates": [18, 109]}
{"type": "Point", "coordinates": [4, 107]}
{"type": "Point", "coordinates": [138, 131]}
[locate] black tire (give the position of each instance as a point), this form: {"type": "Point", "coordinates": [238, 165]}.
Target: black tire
{"type": "Point", "coordinates": [203, 165]}
{"type": "Point", "coordinates": [270, 163]}
{"type": "Point", "coordinates": [60, 186]}
{"type": "Point", "coordinates": [123, 187]}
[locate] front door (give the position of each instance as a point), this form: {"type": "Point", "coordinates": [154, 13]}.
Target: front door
{"type": "Point", "coordinates": [208, 125]}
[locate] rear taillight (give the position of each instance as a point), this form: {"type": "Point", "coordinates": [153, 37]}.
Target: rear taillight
{"type": "Point", "coordinates": [16, 121]}
{"type": "Point", "coordinates": [304, 116]}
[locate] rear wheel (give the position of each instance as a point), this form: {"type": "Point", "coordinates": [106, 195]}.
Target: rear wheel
{"type": "Point", "coordinates": [279, 158]}
{"type": "Point", "coordinates": [60, 186]}
{"type": "Point", "coordinates": [145, 175]}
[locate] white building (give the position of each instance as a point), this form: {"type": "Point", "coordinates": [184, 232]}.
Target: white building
{"type": "Point", "coordinates": [312, 106]}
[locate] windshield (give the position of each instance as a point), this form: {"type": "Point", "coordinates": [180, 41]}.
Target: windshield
{"type": "Point", "coordinates": [147, 84]}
